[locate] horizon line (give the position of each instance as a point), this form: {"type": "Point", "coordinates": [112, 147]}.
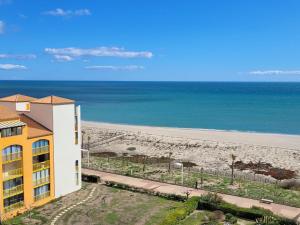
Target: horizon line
{"type": "Point", "coordinates": [170, 81]}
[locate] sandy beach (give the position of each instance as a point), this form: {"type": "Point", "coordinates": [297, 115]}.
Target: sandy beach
{"type": "Point", "coordinates": [210, 149]}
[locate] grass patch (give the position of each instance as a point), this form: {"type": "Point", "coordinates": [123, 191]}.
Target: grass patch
{"type": "Point", "coordinates": [112, 218]}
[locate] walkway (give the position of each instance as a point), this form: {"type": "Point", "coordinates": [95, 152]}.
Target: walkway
{"type": "Point", "coordinates": [72, 206]}
{"type": "Point", "coordinates": [283, 210]}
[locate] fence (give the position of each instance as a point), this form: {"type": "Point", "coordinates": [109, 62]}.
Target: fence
{"type": "Point", "coordinates": [238, 175]}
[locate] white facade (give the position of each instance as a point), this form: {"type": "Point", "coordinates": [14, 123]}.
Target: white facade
{"type": "Point", "coordinates": [66, 152]}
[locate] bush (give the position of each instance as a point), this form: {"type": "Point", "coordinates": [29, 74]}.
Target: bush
{"type": "Point", "coordinates": [212, 198]}
{"type": "Point", "coordinates": [208, 202]}
{"type": "Point", "coordinates": [268, 220]}
{"type": "Point", "coordinates": [230, 218]}
{"type": "Point", "coordinates": [181, 212]}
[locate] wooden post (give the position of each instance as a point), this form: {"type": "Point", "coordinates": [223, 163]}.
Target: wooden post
{"type": "Point", "coordinates": [201, 177]}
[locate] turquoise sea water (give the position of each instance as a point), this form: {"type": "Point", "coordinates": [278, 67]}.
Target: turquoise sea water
{"type": "Point", "coordinates": [258, 107]}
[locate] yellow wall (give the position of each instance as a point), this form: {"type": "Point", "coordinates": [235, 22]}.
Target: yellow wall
{"type": "Point", "coordinates": [27, 170]}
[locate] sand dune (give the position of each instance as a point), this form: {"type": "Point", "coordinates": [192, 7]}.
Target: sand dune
{"type": "Point", "coordinates": [208, 148]}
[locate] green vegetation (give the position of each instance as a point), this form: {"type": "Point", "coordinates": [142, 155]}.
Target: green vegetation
{"type": "Point", "coordinates": [214, 202]}
{"type": "Point", "coordinates": [112, 218]}
{"type": "Point", "coordinates": [19, 220]}
{"type": "Point", "coordinates": [178, 214]}
{"type": "Point", "coordinates": [197, 218]}
{"type": "Point", "coordinates": [215, 183]}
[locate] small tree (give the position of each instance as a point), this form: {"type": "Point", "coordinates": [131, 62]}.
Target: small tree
{"type": "Point", "coordinates": [233, 158]}
{"type": "Point", "coordinates": [187, 194]}
{"type": "Point", "coordinates": [201, 177]}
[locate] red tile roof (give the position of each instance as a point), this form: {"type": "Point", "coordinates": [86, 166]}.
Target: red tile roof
{"type": "Point", "coordinates": [54, 100]}
{"type": "Point", "coordinates": [17, 98]}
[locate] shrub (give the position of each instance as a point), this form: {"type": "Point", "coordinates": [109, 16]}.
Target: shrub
{"type": "Point", "coordinates": [131, 149]}
{"type": "Point", "coordinates": [230, 218]}
{"type": "Point", "coordinates": [212, 198]}
{"type": "Point", "coordinates": [211, 203]}
{"type": "Point", "coordinates": [180, 213]}
{"type": "Point", "coordinates": [268, 220]}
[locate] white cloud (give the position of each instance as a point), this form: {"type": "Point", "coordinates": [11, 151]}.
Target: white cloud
{"type": "Point", "coordinates": [2, 25]}
{"type": "Point", "coordinates": [98, 52]}
{"type": "Point", "coordinates": [12, 67]}
{"type": "Point", "coordinates": [275, 72]}
{"type": "Point", "coordinates": [17, 56]}
{"type": "Point", "coordinates": [115, 68]}
{"type": "Point", "coordinates": [63, 58]}
{"type": "Point", "coordinates": [68, 13]}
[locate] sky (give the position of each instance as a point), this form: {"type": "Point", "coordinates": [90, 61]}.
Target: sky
{"type": "Point", "coordinates": [150, 40]}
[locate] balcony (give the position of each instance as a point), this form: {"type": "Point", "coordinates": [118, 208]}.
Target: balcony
{"type": "Point", "coordinates": [40, 150]}
{"type": "Point", "coordinates": [13, 191]}
{"type": "Point", "coordinates": [11, 174]}
{"type": "Point", "coordinates": [41, 166]}
{"type": "Point", "coordinates": [13, 207]}
{"type": "Point", "coordinates": [42, 196]}
{"type": "Point", "coordinates": [11, 157]}
{"type": "Point", "coordinates": [42, 181]}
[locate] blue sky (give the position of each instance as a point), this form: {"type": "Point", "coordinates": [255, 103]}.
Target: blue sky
{"type": "Point", "coordinates": [195, 40]}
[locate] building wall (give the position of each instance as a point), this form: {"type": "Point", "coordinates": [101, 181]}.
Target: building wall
{"type": "Point", "coordinates": [10, 105]}
{"type": "Point", "coordinates": [17, 106]}
{"type": "Point", "coordinates": [27, 171]}
{"type": "Point", "coordinates": [66, 152]}
{"type": "Point", "coordinates": [42, 113]}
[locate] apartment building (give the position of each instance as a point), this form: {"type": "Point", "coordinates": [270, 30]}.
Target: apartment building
{"type": "Point", "coordinates": [41, 155]}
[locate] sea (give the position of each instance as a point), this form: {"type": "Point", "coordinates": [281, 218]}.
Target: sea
{"type": "Point", "coordinates": [239, 106]}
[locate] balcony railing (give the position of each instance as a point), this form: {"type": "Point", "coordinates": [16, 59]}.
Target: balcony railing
{"type": "Point", "coordinates": [41, 166]}
{"type": "Point", "coordinates": [41, 196]}
{"type": "Point", "coordinates": [11, 174]}
{"type": "Point", "coordinates": [13, 191]}
{"type": "Point", "coordinates": [40, 150]}
{"type": "Point", "coordinates": [13, 207]}
{"type": "Point", "coordinates": [7, 158]}
{"type": "Point", "coordinates": [41, 181]}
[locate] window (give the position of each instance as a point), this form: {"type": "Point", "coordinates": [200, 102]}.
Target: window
{"type": "Point", "coordinates": [40, 158]}
{"type": "Point", "coordinates": [13, 200]}
{"type": "Point", "coordinates": [76, 138]}
{"type": "Point", "coordinates": [40, 175]}
{"type": "Point", "coordinates": [12, 131]}
{"type": "Point", "coordinates": [77, 172]}
{"type": "Point", "coordinates": [13, 152]}
{"type": "Point", "coordinates": [76, 128]}
{"type": "Point", "coordinates": [40, 143]}
{"type": "Point", "coordinates": [42, 190]}
{"type": "Point", "coordinates": [12, 183]}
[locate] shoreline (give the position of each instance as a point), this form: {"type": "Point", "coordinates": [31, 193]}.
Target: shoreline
{"type": "Point", "coordinates": [287, 141]}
